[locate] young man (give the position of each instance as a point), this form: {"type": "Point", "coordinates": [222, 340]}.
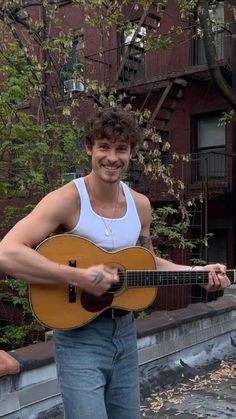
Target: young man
{"type": "Point", "coordinates": [97, 363]}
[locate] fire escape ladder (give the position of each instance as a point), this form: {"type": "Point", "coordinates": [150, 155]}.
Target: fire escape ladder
{"type": "Point", "coordinates": [131, 44]}
{"type": "Point", "coordinates": [132, 51]}
{"type": "Point", "coordinates": [167, 103]}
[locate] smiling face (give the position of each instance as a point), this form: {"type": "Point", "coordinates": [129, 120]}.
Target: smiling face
{"type": "Point", "coordinates": [109, 159]}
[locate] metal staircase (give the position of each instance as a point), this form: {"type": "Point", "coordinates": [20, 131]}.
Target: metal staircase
{"type": "Point", "coordinates": [167, 103]}
{"type": "Point", "coordinates": [132, 49]}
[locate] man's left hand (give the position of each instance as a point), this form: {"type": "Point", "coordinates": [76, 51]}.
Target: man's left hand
{"type": "Point", "coordinates": [217, 278]}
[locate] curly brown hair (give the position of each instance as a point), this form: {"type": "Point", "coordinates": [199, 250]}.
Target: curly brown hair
{"type": "Point", "coordinates": [113, 124]}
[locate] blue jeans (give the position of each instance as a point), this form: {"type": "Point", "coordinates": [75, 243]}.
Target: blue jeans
{"type": "Point", "coordinates": [97, 368]}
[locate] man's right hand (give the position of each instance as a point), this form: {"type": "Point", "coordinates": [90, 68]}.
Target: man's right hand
{"type": "Point", "coordinates": [98, 279]}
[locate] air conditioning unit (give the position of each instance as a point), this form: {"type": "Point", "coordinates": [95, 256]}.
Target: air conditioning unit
{"type": "Point", "coordinates": [73, 85]}
{"type": "Point", "coordinates": [67, 177]}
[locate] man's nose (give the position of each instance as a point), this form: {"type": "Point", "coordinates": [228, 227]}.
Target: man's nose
{"type": "Point", "coordinates": [112, 155]}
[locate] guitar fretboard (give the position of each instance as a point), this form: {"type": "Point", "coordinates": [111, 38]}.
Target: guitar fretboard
{"type": "Point", "coordinates": [153, 278]}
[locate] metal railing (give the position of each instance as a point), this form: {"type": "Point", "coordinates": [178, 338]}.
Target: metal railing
{"type": "Point", "coordinates": [212, 169]}
{"type": "Point", "coordinates": [201, 172]}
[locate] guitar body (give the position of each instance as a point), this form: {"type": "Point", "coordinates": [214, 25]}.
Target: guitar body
{"type": "Point", "coordinates": [50, 304]}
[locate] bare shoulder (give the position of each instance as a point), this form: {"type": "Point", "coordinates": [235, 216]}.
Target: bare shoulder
{"type": "Point", "coordinates": [144, 211]}
{"type": "Point", "coordinates": [60, 197]}
{"type": "Point", "coordinates": [142, 203]}
{"type": "Point", "coordinates": [143, 206]}
{"type": "Point", "coordinates": [64, 195]}
{"type": "Point", "coordinates": [62, 204]}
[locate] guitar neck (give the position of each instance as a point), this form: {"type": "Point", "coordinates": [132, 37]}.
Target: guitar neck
{"type": "Point", "coordinates": [153, 278]}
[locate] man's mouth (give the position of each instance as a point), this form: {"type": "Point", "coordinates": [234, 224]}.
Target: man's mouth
{"type": "Point", "coordinates": [111, 168]}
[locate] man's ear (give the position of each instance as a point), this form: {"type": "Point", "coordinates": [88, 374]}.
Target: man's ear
{"type": "Point", "coordinates": [131, 155]}
{"type": "Point", "coordinates": [88, 149]}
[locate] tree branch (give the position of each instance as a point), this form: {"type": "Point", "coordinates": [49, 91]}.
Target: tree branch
{"type": "Point", "coordinates": [210, 50]}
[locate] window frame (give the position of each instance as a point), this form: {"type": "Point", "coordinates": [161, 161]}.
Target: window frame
{"type": "Point", "coordinates": [213, 154]}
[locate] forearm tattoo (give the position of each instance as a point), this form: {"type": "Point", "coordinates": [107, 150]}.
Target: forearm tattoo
{"type": "Point", "coordinates": [144, 241]}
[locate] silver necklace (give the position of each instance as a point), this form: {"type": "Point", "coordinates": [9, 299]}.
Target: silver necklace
{"type": "Point", "coordinates": [108, 229]}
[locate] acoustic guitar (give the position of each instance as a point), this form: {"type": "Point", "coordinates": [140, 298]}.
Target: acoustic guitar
{"type": "Point", "coordinates": [65, 307]}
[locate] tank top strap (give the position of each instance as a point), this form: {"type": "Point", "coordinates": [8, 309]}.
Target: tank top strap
{"type": "Point", "coordinates": [84, 197]}
{"type": "Point", "coordinates": [129, 198]}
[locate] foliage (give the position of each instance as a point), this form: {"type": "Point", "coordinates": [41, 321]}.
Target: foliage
{"type": "Point", "coordinates": [176, 235]}
{"type": "Point", "coordinates": [14, 334]}
{"type": "Point", "coordinates": [141, 315]}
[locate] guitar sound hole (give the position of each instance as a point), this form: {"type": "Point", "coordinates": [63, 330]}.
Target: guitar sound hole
{"type": "Point", "coordinates": [115, 289]}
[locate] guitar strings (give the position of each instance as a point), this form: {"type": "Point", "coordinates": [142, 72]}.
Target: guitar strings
{"type": "Point", "coordinates": [163, 274]}
{"type": "Point", "coordinates": [133, 279]}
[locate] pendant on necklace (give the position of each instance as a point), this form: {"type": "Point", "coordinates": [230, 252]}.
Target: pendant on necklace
{"type": "Point", "coordinates": [108, 231]}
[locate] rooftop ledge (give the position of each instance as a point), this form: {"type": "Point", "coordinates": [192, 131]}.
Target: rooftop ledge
{"type": "Point", "coordinates": [154, 327]}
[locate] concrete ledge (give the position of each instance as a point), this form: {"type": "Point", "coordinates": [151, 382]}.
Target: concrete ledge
{"type": "Point", "coordinates": [34, 356]}
{"type": "Point", "coordinates": [162, 320]}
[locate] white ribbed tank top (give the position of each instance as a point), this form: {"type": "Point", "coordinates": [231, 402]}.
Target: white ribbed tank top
{"type": "Point", "coordinates": [125, 230]}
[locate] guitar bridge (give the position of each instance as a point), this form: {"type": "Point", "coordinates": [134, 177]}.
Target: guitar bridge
{"type": "Point", "coordinates": [72, 288]}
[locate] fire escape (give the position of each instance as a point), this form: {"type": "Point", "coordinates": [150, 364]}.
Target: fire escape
{"type": "Point", "coordinates": [131, 72]}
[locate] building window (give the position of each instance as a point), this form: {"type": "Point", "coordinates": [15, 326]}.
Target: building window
{"type": "Point", "coordinates": [132, 52]}
{"type": "Point", "coordinates": [217, 247]}
{"type": "Point", "coordinates": [216, 11]}
{"type": "Point", "coordinates": [210, 148]}
{"type": "Point", "coordinates": [72, 73]}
